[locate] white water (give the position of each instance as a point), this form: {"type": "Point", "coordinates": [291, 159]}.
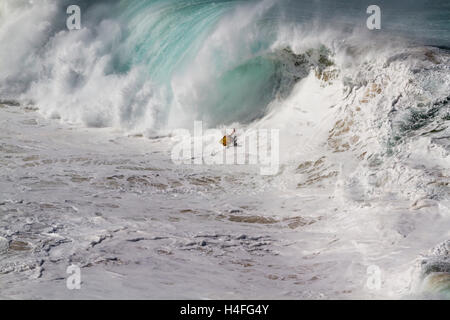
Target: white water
{"type": "Point", "coordinates": [363, 178]}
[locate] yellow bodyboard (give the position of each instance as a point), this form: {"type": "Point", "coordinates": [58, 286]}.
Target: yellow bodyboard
{"type": "Point", "coordinates": [224, 141]}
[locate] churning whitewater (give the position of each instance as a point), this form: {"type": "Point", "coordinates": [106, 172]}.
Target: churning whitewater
{"type": "Point", "coordinates": [360, 205]}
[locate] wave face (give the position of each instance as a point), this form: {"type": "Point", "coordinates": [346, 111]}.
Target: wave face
{"type": "Point", "coordinates": [365, 115]}
{"type": "Point", "coordinates": [146, 65]}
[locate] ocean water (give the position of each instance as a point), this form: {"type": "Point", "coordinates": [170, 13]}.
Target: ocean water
{"type": "Point", "coordinates": [89, 119]}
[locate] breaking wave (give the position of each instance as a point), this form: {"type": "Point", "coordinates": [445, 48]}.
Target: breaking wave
{"type": "Point", "coordinates": [363, 113]}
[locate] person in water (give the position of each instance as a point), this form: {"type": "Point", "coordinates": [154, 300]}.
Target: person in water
{"type": "Point", "coordinates": [230, 140]}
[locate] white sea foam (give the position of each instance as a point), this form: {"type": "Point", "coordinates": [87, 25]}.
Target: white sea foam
{"type": "Point", "coordinates": [364, 152]}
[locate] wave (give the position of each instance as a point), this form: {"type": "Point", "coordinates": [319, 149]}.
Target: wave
{"type": "Point", "coordinates": [363, 114]}
{"type": "Point", "coordinates": [158, 64]}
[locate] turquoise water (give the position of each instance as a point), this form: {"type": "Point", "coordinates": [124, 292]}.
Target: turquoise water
{"type": "Point", "coordinates": [219, 60]}
{"type": "Point", "coordinates": [165, 34]}
{"type": "Point", "coordinates": [165, 37]}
